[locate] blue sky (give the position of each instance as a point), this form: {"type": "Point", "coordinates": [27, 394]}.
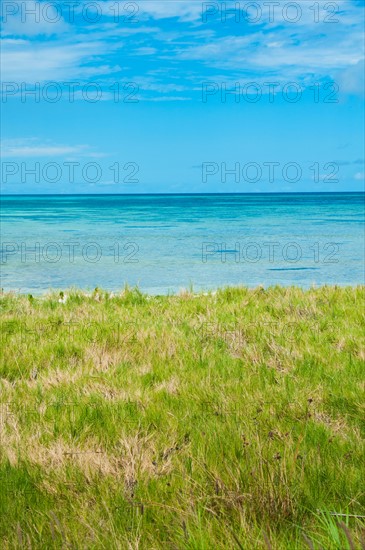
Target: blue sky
{"type": "Point", "coordinates": [130, 96]}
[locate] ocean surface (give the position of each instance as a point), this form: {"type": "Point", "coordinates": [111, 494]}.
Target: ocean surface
{"type": "Point", "coordinates": [165, 243]}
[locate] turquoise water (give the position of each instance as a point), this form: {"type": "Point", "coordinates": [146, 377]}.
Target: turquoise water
{"type": "Point", "coordinates": [164, 243]}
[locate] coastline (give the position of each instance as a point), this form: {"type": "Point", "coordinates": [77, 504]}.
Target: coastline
{"type": "Point", "coordinates": [56, 293]}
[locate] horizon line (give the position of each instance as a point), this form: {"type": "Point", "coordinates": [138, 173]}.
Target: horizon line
{"type": "Point", "coordinates": [180, 194]}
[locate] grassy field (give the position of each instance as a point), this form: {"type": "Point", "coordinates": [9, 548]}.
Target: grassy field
{"type": "Point", "coordinates": [228, 420]}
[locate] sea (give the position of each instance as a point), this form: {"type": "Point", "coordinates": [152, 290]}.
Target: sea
{"type": "Point", "coordinates": [167, 243]}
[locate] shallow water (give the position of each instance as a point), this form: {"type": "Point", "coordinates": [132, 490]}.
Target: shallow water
{"type": "Point", "coordinates": [163, 243]}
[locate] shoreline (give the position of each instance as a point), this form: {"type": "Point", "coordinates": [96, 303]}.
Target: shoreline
{"type": "Point", "coordinates": [188, 291]}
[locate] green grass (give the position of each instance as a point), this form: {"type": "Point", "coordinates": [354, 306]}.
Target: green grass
{"type": "Point", "coordinates": [228, 420]}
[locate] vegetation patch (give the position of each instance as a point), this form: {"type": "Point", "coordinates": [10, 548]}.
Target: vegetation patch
{"type": "Point", "coordinates": [233, 419]}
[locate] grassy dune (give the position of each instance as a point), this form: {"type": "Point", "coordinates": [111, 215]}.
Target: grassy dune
{"type": "Point", "coordinates": [230, 420]}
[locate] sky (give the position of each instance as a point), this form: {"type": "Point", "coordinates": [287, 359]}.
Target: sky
{"type": "Point", "coordinates": [182, 96]}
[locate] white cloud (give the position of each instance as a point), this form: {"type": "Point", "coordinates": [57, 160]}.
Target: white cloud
{"type": "Point", "coordinates": [280, 51]}
{"type": "Point", "coordinates": [145, 51]}
{"type": "Point", "coordinates": [352, 79]}
{"type": "Point", "coordinates": [184, 10]}
{"type": "Point", "coordinates": [166, 98]}
{"type": "Point", "coordinates": [31, 18]}
{"type": "Point", "coordinates": [359, 176]}
{"type": "Point", "coordinates": [31, 147]}
{"type": "Point", "coordinates": [27, 61]}
{"type": "Point", "coordinates": [261, 51]}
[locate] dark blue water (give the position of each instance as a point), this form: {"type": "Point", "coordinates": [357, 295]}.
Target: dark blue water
{"type": "Point", "coordinates": [163, 243]}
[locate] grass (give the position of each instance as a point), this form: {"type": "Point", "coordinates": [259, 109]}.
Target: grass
{"type": "Point", "coordinates": [227, 420]}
